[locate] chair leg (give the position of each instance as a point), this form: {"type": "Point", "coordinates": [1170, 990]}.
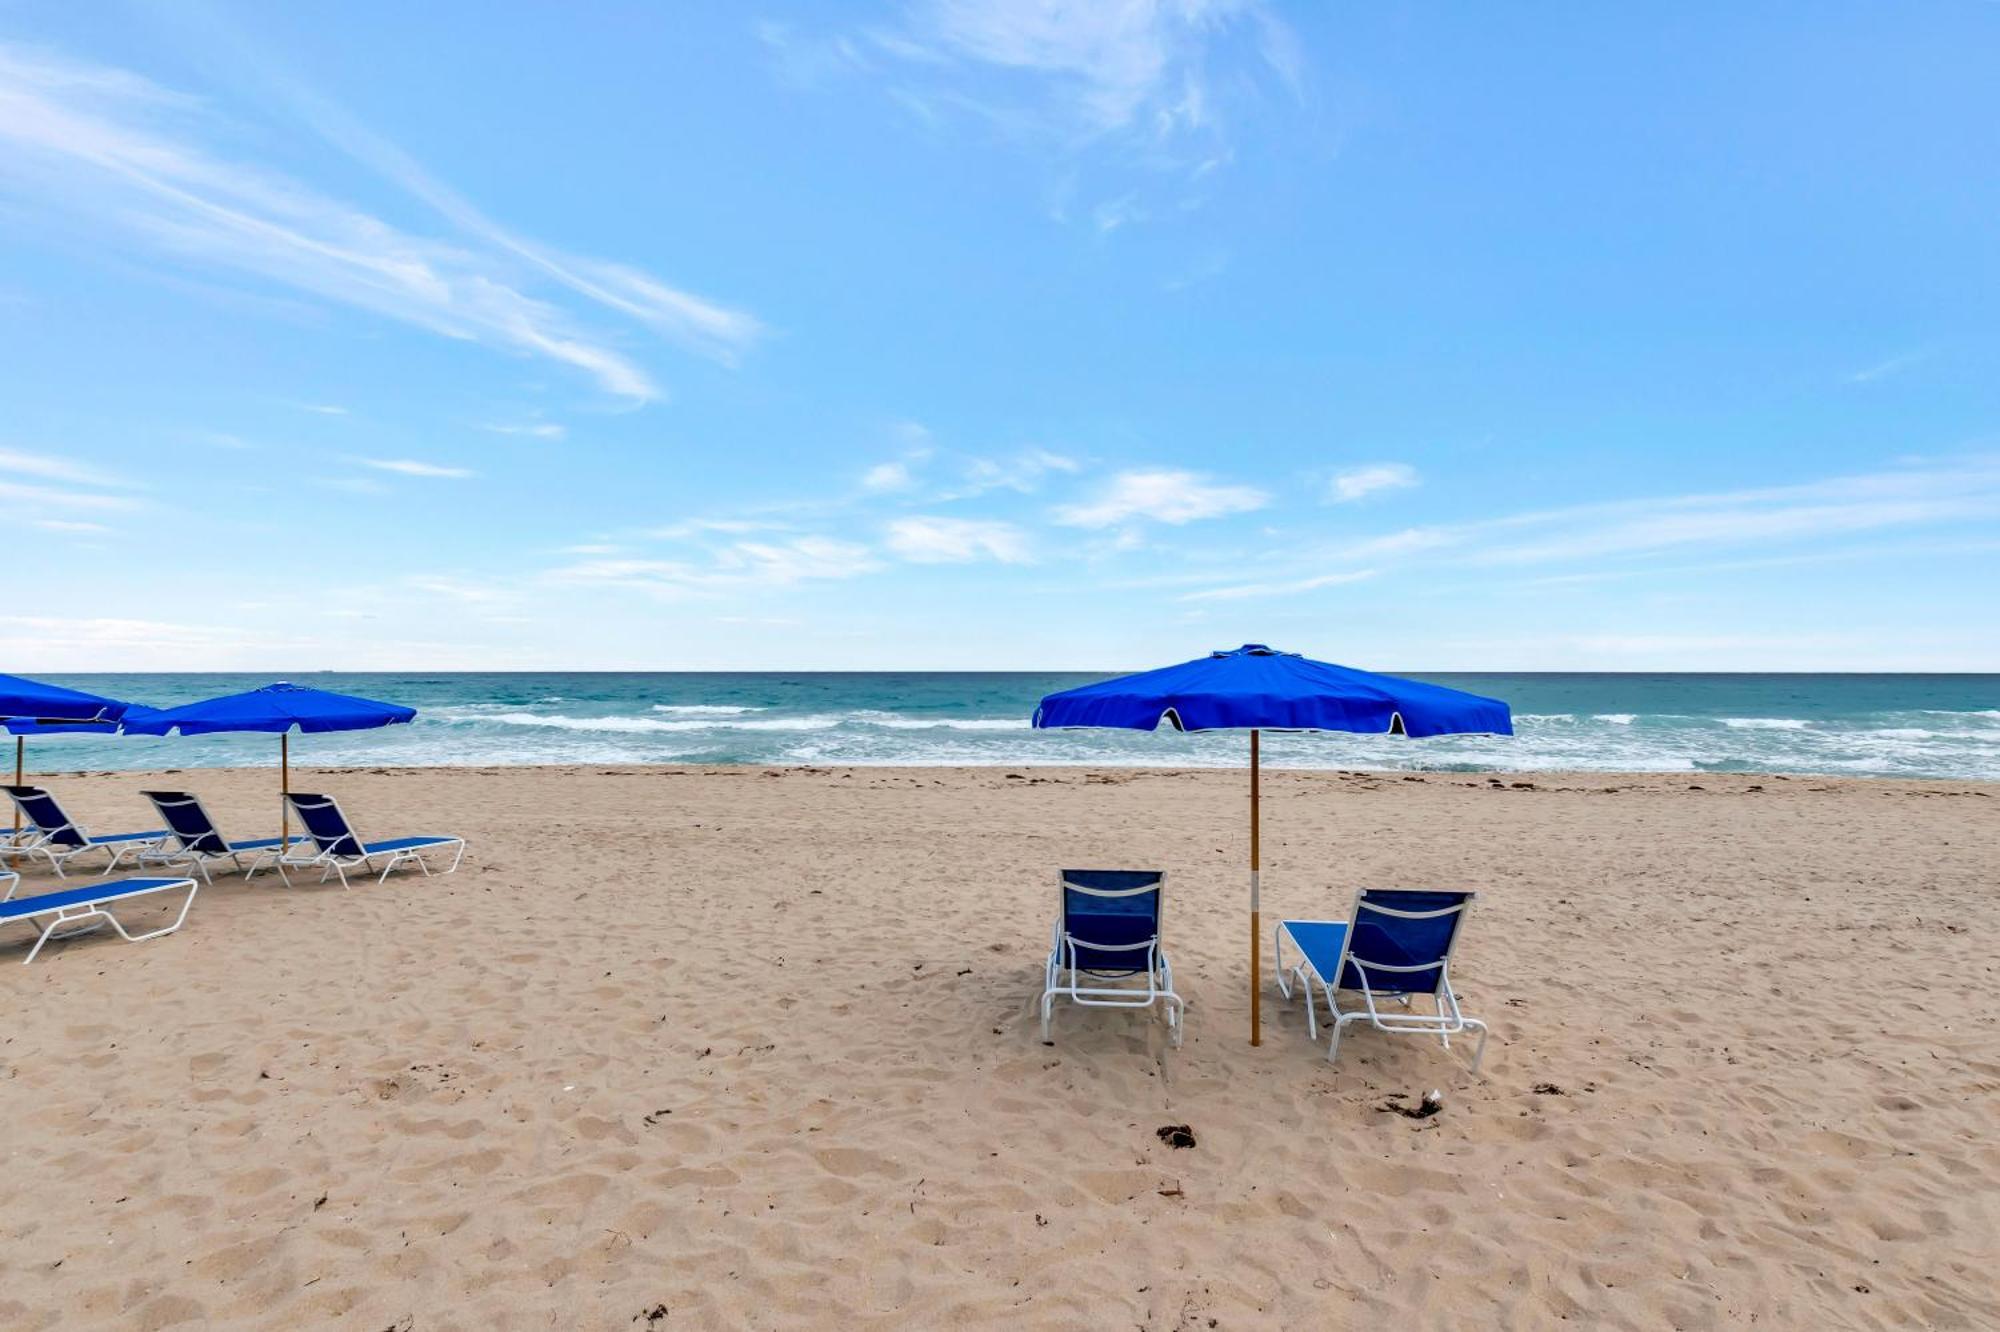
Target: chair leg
{"type": "Point", "coordinates": [1480, 1053]}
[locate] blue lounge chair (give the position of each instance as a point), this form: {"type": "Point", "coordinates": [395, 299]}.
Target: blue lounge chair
{"type": "Point", "coordinates": [53, 836]}
{"type": "Point", "coordinates": [72, 906]}
{"type": "Point", "coordinates": [193, 839]}
{"type": "Point", "coordinates": [1397, 946]}
{"type": "Point", "coordinates": [1108, 930]}
{"type": "Point", "coordinates": [337, 848]}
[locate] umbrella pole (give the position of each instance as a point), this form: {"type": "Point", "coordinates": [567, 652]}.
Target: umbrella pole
{"type": "Point", "coordinates": [1256, 924]}
{"type": "Point", "coordinates": [20, 743]}
{"type": "Point", "coordinates": [284, 789]}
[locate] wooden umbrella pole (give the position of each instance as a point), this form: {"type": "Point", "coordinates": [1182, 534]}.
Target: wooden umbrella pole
{"type": "Point", "coordinates": [1256, 923]}
{"type": "Point", "coordinates": [20, 743]}
{"type": "Point", "coordinates": [284, 789]}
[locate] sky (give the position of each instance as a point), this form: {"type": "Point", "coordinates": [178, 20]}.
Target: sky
{"type": "Point", "coordinates": [979, 335]}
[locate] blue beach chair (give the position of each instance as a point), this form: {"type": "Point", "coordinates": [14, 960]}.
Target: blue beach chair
{"type": "Point", "coordinates": [53, 836]}
{"type": "Point", "coordinates": [1397, 945]}
{"type": "Point", "coordinates": [193, 839]}
{"type": "Point", "coordinates": [1108, 930]}
{"type": "Point", "coordinates": [74, 906]}
{"type": "Point", "coordinates": [337, 848]}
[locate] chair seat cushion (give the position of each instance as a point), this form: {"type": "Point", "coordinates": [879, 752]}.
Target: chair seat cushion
{"type": "Point", "coordinates": [112, 891]}
{"type": "Point", "coordinates": [407, 844]}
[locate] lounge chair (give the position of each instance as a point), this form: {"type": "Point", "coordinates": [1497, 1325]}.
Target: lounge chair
{"type": "Point", "coordinates": [193, 839]}
{"type": "Point", "coordinates": [1108, 930]}
{"type": "Point", "coordinates": [336, 848]}
{"type": "Point", "coordinates": [53, 836]}
{"type": "Point", "coordinates": [71, 906]}
{"type": "Point", "coordinates": [1397, 946]}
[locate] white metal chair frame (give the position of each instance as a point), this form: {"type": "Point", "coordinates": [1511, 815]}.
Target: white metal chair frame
{"type": "Point", "coordinates": [76, 912]}
{"type": "Point", "coordinates": [332, 862]}
{"type": "Point", "coordinates": [1448, 1021]}
{"type": "Point", "coordinates": [1159, 973]}
{"type": "Point", "coordinates": [38, 839]}
{"type": "Point", "coordinates": [187, 852]}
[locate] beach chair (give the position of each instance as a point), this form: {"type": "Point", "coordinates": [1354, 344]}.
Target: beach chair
{"type": "Point", "coordinates": [73, 906]}
{"type": "Point", "coordinates": [1397, 945]}
{"type": "Point", "coordinates": [193, 839]}
{"type": "Point", "coordinates": [335, 848]}
{"type": "Point", "coordinates": [1107, 941]}
{"type": "Point", "coordinates": [53, 836]}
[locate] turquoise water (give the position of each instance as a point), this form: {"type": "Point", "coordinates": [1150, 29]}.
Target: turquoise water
{"type": "Point", "coordinates": [1865, 725]}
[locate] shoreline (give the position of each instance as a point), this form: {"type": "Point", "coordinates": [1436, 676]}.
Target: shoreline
{"type": "Point", "coordinates": [1549, 779]}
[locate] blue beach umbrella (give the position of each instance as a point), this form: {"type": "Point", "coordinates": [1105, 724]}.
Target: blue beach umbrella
{"type": "Point", "coordinates": [32, 698]}
{"type": "Point", "coordinates": [275, 708]}
{"type": "Point", "coordinates": [30, 703]}
{"type": "Point", "coordinates": [1256, 688]}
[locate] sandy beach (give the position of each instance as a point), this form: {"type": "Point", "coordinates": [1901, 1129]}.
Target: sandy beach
{"type": "Point", "coordinates": [735, 1047]}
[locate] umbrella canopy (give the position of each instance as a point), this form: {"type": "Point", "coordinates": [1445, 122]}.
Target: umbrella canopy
{"type": "Point", "coordinates": [276, 707]}
{"type": "Point", "coordinates": [1256, 688]}
{"type": "Point", "coordinates": [32, 698]}
{"type": "Point", "coordinates": [33, 726]}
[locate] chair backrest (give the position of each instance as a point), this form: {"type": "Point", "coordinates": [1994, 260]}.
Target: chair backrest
{"type": "Point", "coordinates": [1400, 938]}
{"type": "Point", "coordinates": [325, 824]}
{"type": "Point", "coordinates": [40, 809]}
{"type": "Point", "coordinates": [189, 822]}
{"type": "Point", "coordinates": [1108, 912]}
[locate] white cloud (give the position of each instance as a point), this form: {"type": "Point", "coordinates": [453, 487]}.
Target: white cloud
{"type": "Point", "coordinates": [1092, 67]}
{"type": "Point", "coordinates": [102, 145]}
{"type": "Point", "coordinates": [888, 476]}
{"type": "Point", "coordinates": [1891, 366]}
{"type": "Point", "coordinates": [69, 525]}
{"type": "Point", "coordinates": [412, 467]}
{"type": "Point", "coordinates": [1249, 591]}
{"type": "Point", "coordinates": [1164, 496]}
{"type": "Point", "coordinates": [323, 409]}
{"type": "Point", "coordinates": [1356, 482]}
{"type": "Point", "coordinates": [530, 430]}
{"type": "Point", "coordinates": [697, 527]}
{"type": "Point", "coordinates": [957, 541]}
{"type": "Point", "coordinates": [1839, 506]}
{"type": "Point", "coordinates": [48, 467]}
{"type": "Point", "coordinates": [1023, 473]}
{"type": "Point", "coordinates": [28, 496]}
{"type": "Point", "coordinates": [738, 566]}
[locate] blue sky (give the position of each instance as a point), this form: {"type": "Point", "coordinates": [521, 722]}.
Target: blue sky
{"type": "Point", "coordinates": [948, 334]}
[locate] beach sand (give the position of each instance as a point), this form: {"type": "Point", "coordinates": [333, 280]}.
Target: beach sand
{"type": "Point", "coordinates": [741, 1048]}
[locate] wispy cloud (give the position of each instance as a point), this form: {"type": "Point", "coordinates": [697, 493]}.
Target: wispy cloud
{"type": "Point", "coordinates": [1357, 482]}
{"type": "Point", "coordinates": [53, 481]}
{"type": "Point", "coordinates": [71, 526]}
{"type": "Point", "coordinates": [105, 146]}
{"type": "Point", "coordinates": [1164, 496]}
{"type": "Point", "coordinates": [1084, 69]}
{"type": "Point", "coordinates": [528, 430]}
{"type": "Point", "coordinates": [700, 527]}
{"type": "Point", "coordinates": [739, 566]}
{"type": "Point", "coordinates": [1147, 90]}
{"type": "Point", "coordinates": [1291, 587]}
{"type": "Point", "coordinates": [932, 540]}
{"type": "Point", "coordinates": [323, 409]}
{"type": "Point", "coordinates": [413, 467]}
{"type": "Point", "coordinates": [1624, 534]}
{"type": "Point", "coordinates": [1022, 473]}
{"type": "Point", "coordinates": [50, 467]}
{"type": "Point", "coordinates": [885, 477]}
{"type": "Point", "coordinates": [1891, 366]}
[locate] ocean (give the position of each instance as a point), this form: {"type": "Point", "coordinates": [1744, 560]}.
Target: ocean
{"type": "Point", "coordinates": [1937, 726]}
